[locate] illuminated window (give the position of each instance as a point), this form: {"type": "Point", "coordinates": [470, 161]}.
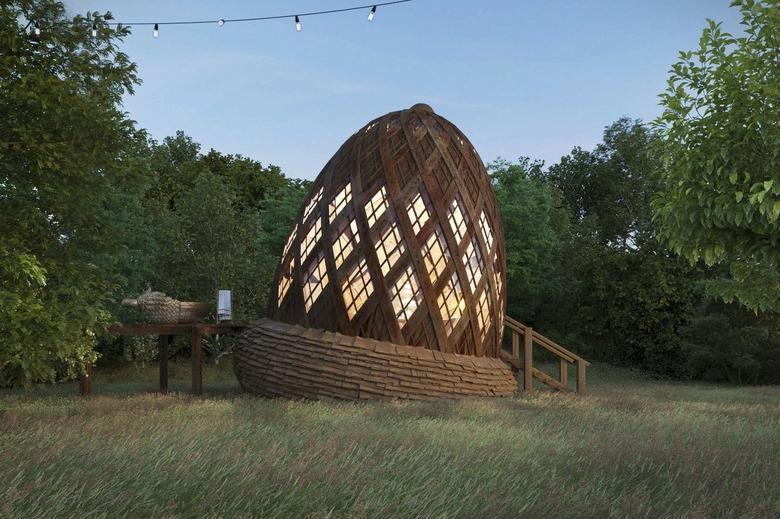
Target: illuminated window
{"type": "Point", "coordinates": [483, 314]}
{"type": "Point", "coordinates": [389, 247]}
{"type": "Point", "coordinates": [357, 288]}
{"type": "Point", "coordinates": [472, 259]}
{"type": "Point", "coordinates": [285, 281]}
{"type": "Point", "coordinates": [340, 201]}
{"type": "Point", "coordinates": [406, 295]}
{"type": "Point", "coordinates": [451, 303]}
{"type": "Point", "coordinates": [418, 210]}
{"type": "Point", "coordinates": [497, 274]}
{"type": "Point", "coordinates": [435, 254]}
{"type": "Point", "coordinates": [290, 241]}
{"type": "Point", "coordinates": [456, 217]}
{"type": "Point", "coordinates": [346, 240]}
{"type": "Point", "coordinates": [312, 204]}
{"type": "Point", "coordinates": [311, 238]}
{"type": "Point", "coordinates": [316, 280]}
{"type": "Point", "coordinates": [487, 232]}
{"type": "Point", "coordinates": [376, 206]}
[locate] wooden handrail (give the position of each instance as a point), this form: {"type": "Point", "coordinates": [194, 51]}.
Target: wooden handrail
{"type": "Point", "coordinates": [565, 357]}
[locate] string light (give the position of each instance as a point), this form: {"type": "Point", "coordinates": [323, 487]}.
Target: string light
{"type": "Point", "coordinates": [222, 21]}
{"type": "Point", "coordinates": [297, 17]}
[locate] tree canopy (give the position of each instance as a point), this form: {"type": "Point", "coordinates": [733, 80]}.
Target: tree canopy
{"type": "Point", "coordinates": [70, 160]}
{"type": "Point", "coordinates": [720, 195]}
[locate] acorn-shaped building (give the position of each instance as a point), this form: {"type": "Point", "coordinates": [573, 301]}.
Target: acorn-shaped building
{"type": "Point", "coordinates": [398, 241]}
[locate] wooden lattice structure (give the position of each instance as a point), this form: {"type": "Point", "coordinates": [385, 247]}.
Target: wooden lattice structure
{"type": "Point", "coordinates": [399, 240]}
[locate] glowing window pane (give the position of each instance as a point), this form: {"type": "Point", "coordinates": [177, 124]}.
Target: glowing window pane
{"type": "Point", "coordinates": [418, 211]}
{"type": "Point", "coordinates": [497, 274]}
{"type": "Point", "coordinates": [376, 206]}
{"type": "Point", "coordinates": [340, 201]}
{"type": "Point", "coordinates": [487, 232]}
{"type": "Point", "coordinates": [456, 217]}
{"type": "Point", "coordinates": [290, 241]}
{"type": "Point", "coordinates": [312, 204]}
{"type": "Point", "coordinates": [483, 314]}
{"type": "Point", "coordinates": [311, 238]}
{"type": "Point", "coordinates": [316, 280]}
{"type": "Point", "coordinates": [472, 260]}
{"type": "Point", "coordinates": [389, 247]}
{"type": "Point", "coordinates": [285, 281]}
{"type": "Point", "coordinates": [451, 303]}
{"type": "Point", "coordinates": [357, 288]}
{"type": "Point", "coordinates": [346, 240]}
{"type": "Point", "coordinates": [435, 254]}
{"type": "Point", "coordinates": [406, 295]}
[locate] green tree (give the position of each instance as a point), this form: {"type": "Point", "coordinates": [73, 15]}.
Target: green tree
{"type": "Point", "coordinates": [627, 295]}
{"type": "Point", "coordinates": [612, 185]}
{"type": "Point", "coordinates": [209, 243]}
{"type": "Point", "coordinates": [70, 161]}
{"type": "Point", "coordinates": [533, 225]}
{"type": "Point", "coordinates": [720, 196]}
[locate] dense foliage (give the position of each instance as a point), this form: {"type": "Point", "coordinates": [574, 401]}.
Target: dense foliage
{"type": "Point", "coordinates": [70, 161]}
{"type": "Point", "coordinates": [720, 198]}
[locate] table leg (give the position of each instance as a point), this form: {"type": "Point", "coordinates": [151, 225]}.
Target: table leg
{"type": "Point", "coordinates": [162, 342]}
{"type": "Point", "coordinates": [197, 360]}
{"type": "Point", "coordinates": [85, 380]}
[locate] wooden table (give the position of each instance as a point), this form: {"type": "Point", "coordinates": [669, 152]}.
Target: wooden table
{"type": "Point", "coordinates": [165, 333]}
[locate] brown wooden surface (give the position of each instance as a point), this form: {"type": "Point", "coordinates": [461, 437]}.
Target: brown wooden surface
{"type": "Point", "coordinates": [85, 380]}
{"type": "Point", "coordinates": [582, 387]}
{"type": "Point", "coordinates": [408, 151]}
{"type": "Point", "coordinates": [278, 359]}
{"type": "Point", "coordinates": [563, 372]}
{"type": "Point", "coordinates": [162, 345]}
{"type": "Point", "coordinates": [528, 360]}
{"type": "Point", "coordinates": [196, 341]}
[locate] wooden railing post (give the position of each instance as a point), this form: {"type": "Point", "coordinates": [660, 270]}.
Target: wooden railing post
{"type": "Point", "coordinates": [582, 386]}
{"type": "Point", "coordinates": [528, 362]}
{"type": "Point", "coordinates": [515, 344]}
{"type": "Point", "coordinates": [563, 372]}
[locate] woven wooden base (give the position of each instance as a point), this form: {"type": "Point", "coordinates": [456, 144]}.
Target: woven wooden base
{"type": "Point", "coordinates": [277, 359]}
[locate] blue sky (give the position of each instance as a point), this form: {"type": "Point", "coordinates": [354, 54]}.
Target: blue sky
{"type": "Point", "coordinates": [525, 77]}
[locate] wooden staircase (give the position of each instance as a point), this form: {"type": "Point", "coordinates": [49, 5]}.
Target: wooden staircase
{"type": "Point", "coordinates": [531, 337]}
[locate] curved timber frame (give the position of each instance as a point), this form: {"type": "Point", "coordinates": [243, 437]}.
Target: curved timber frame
{"type": "Point", "coordinates": [399, 240]}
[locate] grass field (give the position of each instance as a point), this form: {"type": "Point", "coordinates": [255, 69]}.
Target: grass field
{"type": "Point", "coordinates": [634, 447]}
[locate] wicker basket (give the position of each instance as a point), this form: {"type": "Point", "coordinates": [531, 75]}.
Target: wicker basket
{"type": "Point", "coordinates": [163, 309]}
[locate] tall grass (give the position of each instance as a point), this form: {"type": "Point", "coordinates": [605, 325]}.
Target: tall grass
{"type": "Point", "coordinates": [634, 447]}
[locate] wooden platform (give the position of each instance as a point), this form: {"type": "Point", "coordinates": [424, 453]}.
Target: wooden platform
{"type": "Point", "coordinates": [277, 359]}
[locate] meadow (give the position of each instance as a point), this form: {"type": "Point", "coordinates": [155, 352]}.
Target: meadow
{"type": "Point", "coordinates": [634, 447]}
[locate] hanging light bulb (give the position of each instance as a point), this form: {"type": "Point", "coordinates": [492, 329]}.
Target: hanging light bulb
{"type": "Point", "coordinates": [372, 13]}
{"type": "Point", "coordinates": [297, 23]}
{"type": "Point", "coordinates": [36, 29]}
{"type": "Point", "coordinates": [156, 31]}
{"type": "Point", "coordinates": [94, 30]}
{"type": "Point", "coordinates": [221, 22]}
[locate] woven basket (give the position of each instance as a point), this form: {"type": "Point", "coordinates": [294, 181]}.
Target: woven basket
{"type": "Point", "coordinates": [163, 309]}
